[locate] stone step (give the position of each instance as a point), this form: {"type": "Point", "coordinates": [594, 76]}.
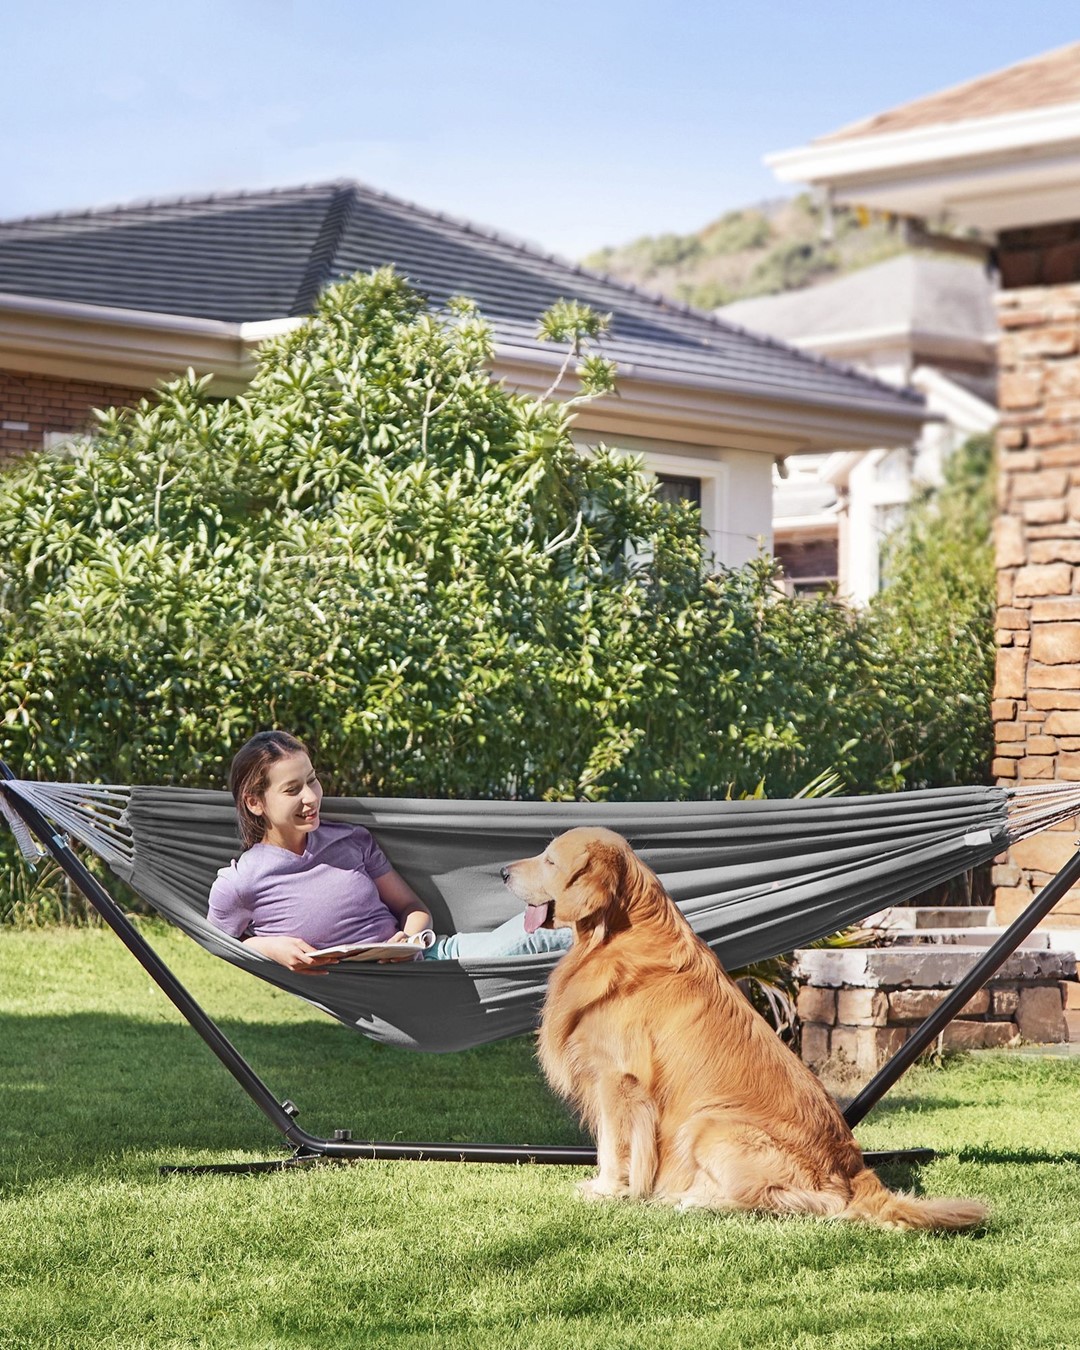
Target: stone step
{"type": "Point", "coordinates": [932, 916]}
{"type": "Point", "coordinates": [1052, 939]}
{"type": "Point", "coordinates": [1061, 939]}
{"type": "Point", "coordinates": [964, 937]}
{"type": "Point", "coordinates": [921, 967]}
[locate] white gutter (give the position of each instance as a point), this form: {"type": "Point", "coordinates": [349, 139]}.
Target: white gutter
{"type": "Point", "coordinates": [788, 525]}
{"type": "Point", "coordinates": [138, 349]}
{"type": "Point", "coordinates": [960, 402]}
{"type": "Point", "coordinates": [658, 405]}
{"type": "Point", "coordinates": [125, 346]}
{"type": "Point", "coordinates": [890, 408]}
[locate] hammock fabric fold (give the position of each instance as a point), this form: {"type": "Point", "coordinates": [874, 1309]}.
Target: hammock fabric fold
{"type": "Point", "coordinates": [755, 878]}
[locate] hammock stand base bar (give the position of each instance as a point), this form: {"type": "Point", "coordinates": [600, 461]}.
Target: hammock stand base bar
{"type": "Point", "coordinates": [311, 1148]}
{"type": "Point", "coordinates": [585, 1157]}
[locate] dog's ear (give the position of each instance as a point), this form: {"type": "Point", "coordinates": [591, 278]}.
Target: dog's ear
{"type": "Point", "coordinates": [592, 890]}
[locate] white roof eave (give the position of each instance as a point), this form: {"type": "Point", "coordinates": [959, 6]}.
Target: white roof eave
{"type": "Point", "coordinates": [1014, 134]}
{"type": "Point", "coordinates": [990, 173]}
{"type": "Point", "coordinates": [136, 348]}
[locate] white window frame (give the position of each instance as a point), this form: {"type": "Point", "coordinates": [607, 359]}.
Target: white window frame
{"type": "Point", "coordinates": [713, 474]}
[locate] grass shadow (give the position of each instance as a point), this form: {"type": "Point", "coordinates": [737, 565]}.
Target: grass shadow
{"type": "Point", "coordinates": [903, 1176]}
{"type": "Point", "coordinates": [1011, 1157]}
{"type": "Point", "coordinates": [82, 1088]}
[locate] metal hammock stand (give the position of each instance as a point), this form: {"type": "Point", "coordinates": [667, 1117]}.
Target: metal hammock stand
{"type": "Point", "coordinates": [342, 1147]}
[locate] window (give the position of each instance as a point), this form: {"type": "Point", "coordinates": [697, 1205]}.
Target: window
{"type": "Point", "coordinates": [809, 588]}
{"type": "Point", "coordinates": [700, 478]}
{"type": "Point", "coordinates": [672, 489]}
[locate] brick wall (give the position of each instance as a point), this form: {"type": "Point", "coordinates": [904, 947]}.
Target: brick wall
{"type": "Point", "coordinates": [1042, 255]}
{"type": "Point", "coordinates": [33, 405]}
{"type": "Point", "coordinates": [1036, 705]}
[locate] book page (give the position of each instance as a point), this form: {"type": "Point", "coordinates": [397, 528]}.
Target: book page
{"type": "Point", "coordinates": [378, 951]}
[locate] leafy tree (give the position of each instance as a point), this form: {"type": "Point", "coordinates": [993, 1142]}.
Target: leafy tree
{"type": "Point", "coordinates": [414, 568]}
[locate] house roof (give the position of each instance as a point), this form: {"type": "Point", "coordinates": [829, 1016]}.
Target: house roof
{"type": "Point", "coordinates": [258, 256]}
{"type": "Point", "coordinates": [995, 154]}
{"type": "Point", "coordinates": [1040, 82]}
{"type": "Point", "coordinates": [922, 298]}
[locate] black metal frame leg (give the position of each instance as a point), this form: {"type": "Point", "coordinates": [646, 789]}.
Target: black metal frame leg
{"type": "Point", "coordinates": [981, 973]}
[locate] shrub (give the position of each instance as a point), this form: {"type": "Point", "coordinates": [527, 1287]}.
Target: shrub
{"type": "Point", "coordinates": [404, 561]}
{"type": "Point", "coordinates": [791, 265]}
{"type": "Point", "coordinates": [931, 629]}
{"type": "Point", "coordinates": [707, 295]}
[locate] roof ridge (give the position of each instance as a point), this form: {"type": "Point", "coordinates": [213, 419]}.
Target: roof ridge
{"type": "Point", "coordinates": [179, 199]}
{"type": "Point", "coordinates": [321, 261]}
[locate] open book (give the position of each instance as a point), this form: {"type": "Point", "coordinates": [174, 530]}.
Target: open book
{"type": "Point", "coordinates": [378, 951]}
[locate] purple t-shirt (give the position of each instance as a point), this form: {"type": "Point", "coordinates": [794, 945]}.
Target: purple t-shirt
{"type": "Point", "coordinates": [325, 895]}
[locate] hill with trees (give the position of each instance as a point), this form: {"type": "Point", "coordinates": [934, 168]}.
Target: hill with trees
{"type": "Point", "coordinates": [774, 246]}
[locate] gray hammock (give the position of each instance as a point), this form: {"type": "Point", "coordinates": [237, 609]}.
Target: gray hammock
{"type": "Point", "coordinates": [754, 878]}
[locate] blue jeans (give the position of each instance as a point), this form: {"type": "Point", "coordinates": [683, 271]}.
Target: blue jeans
{"type": "Point", "coordinates": [509, 939]}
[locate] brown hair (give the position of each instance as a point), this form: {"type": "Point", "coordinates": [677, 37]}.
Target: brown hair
{"type": "Point", "coordinates": [248, 774]}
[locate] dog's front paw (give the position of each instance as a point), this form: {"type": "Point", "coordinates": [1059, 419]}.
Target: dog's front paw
{"type": "Point", "coordinates": [599, 1188]}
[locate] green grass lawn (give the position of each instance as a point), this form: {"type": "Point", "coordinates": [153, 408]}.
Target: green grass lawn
{"type": "Point", "coordinates": [102, 1083]}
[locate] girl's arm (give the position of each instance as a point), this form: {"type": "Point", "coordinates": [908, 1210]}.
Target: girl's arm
{"type": "Point", "coordinates": [403, 902]}
{"type": "Point", "coordinates": [232, 913]}
{"type": "Point", "coordinates": [291, 952]}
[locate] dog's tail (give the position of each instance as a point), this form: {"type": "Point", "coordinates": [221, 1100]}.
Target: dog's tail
{"type": "Point", "coordinates": [874, 1203]}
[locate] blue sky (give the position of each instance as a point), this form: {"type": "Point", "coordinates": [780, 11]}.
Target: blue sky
{"type": "Point", "coordinates": [570, 124]}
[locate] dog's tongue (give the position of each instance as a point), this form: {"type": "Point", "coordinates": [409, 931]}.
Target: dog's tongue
{"type": "Point", "coordinates": [535, 916]}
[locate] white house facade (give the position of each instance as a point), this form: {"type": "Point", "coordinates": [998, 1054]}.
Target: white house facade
{"type": "Point", "coordinates": [916, 322]}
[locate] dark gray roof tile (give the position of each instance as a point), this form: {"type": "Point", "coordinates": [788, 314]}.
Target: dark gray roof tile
{"type": "Point", "coordinates": [244, 257]}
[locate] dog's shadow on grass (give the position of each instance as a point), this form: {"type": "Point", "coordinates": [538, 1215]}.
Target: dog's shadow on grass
{"type": "Point", "coordinates": [90, 1090]}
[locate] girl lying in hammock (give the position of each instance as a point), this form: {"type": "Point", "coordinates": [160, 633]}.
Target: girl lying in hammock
{"type": "Point", "coordinates": [302, 885]}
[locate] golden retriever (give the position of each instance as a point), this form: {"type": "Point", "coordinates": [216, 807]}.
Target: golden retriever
{"type": "Point", "coordinates": [690, 1095]}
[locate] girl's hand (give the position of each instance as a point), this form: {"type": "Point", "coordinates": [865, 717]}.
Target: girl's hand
{"type": "Point", "coordinates": [292, 953]}
{"type": "Point", "coordinates": [410, 954]}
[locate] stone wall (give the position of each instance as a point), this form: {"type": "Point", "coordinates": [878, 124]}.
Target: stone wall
{"type": "Point", "coordinates": [32, 406]}
{"type": "Point", "coordinates": [1036, 705]}
{"type": "Point", "coordinates": [859, 1005]}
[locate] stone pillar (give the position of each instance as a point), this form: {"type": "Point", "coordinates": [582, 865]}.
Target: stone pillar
{"type": "Point", "coordinates": [1036, 707]}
